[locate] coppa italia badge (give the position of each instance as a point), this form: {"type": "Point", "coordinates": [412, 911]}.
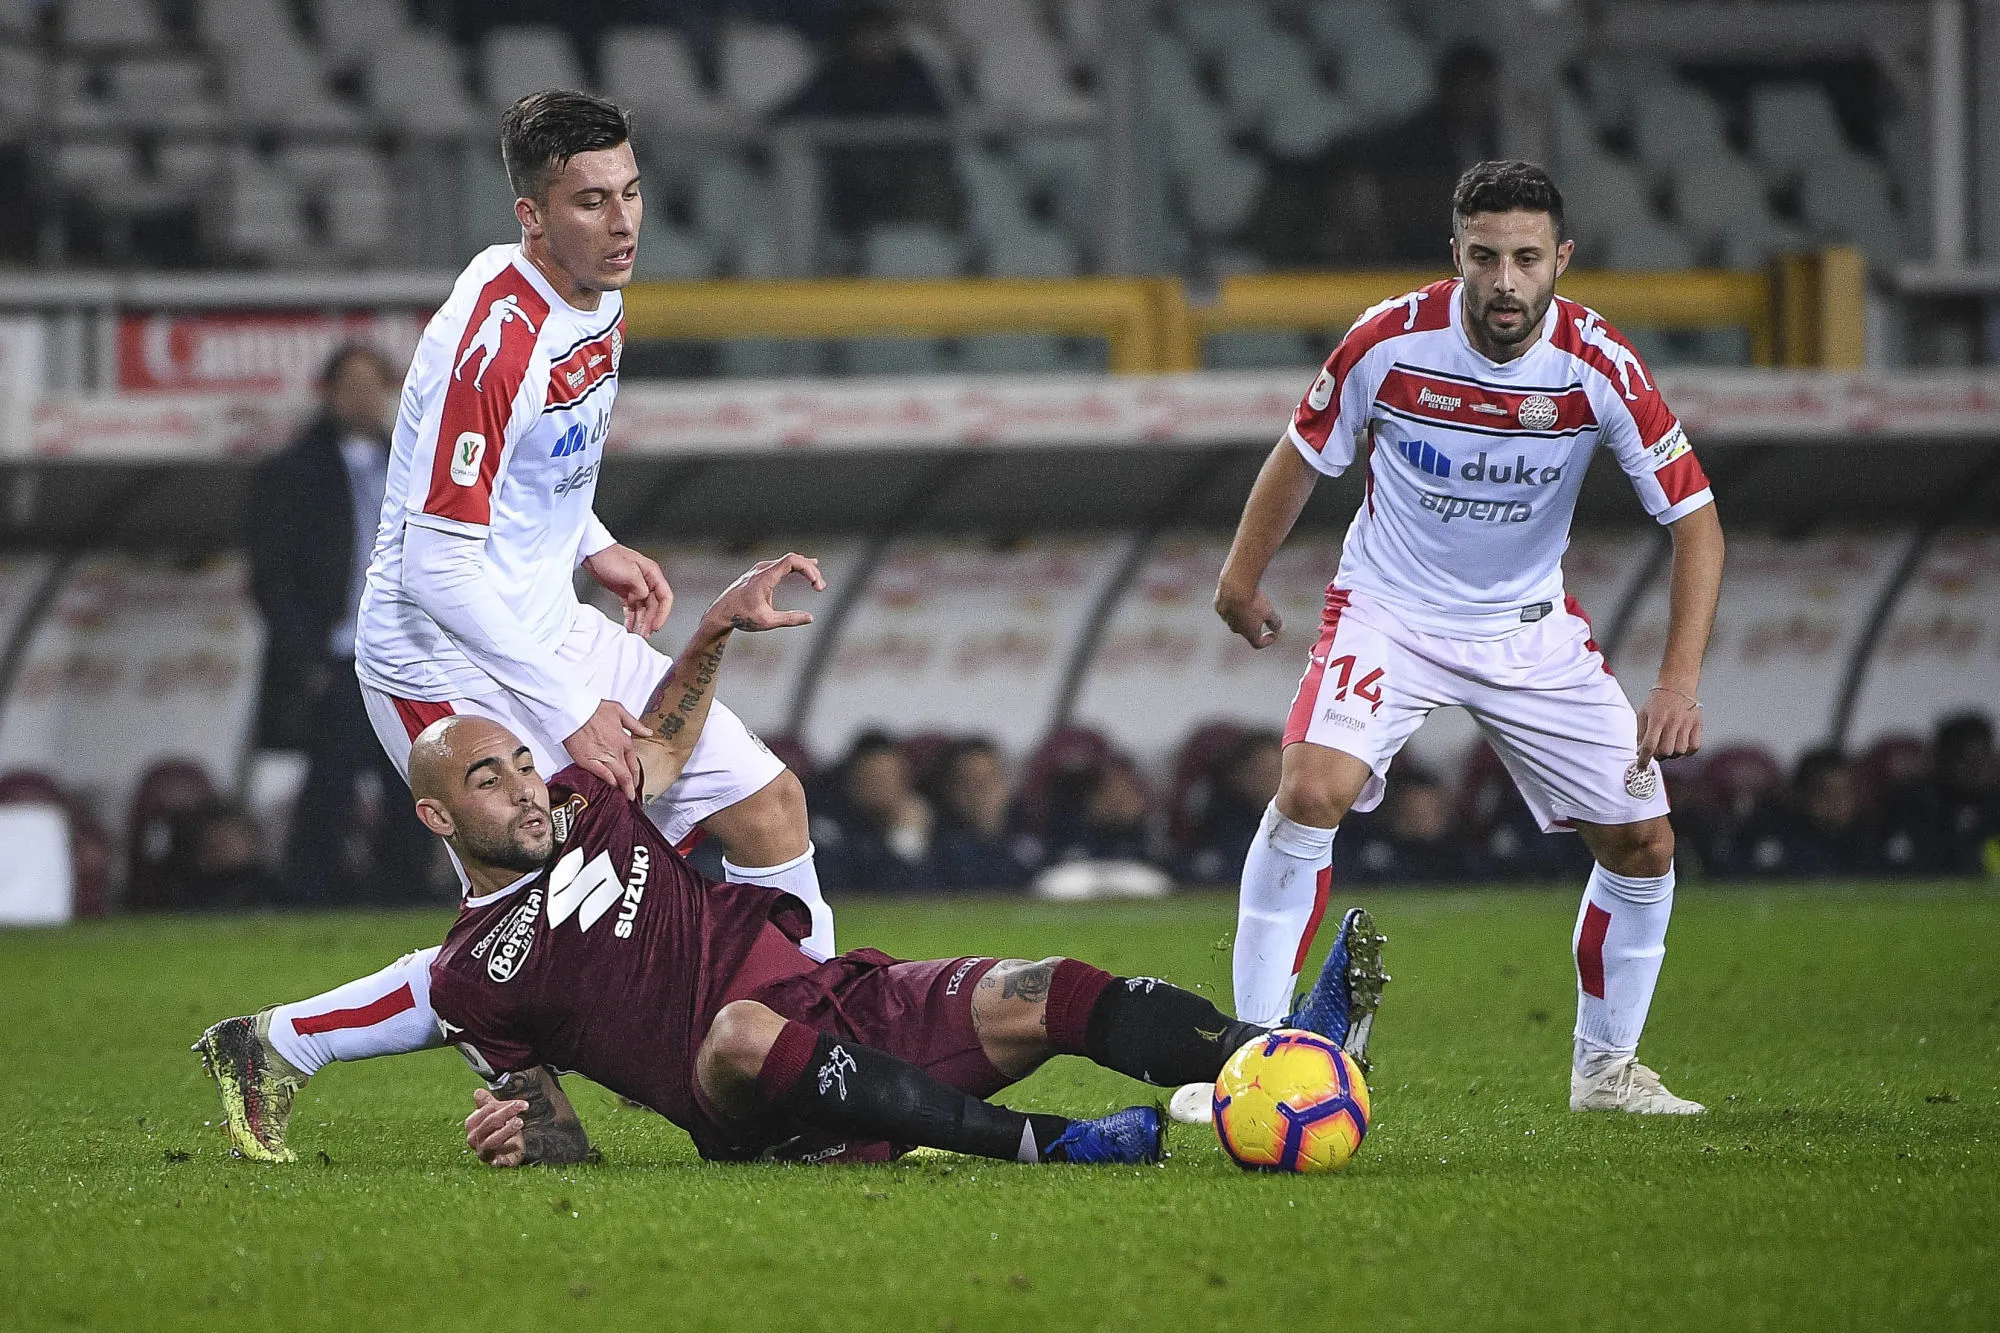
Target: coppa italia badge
{"type": "Point", "coordinates": [1536, 412]}
{"type": "Point", "coordinates": [1641, 783]}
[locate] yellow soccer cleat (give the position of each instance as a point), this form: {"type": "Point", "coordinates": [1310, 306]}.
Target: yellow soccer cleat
{"type": "Point", "coordinates": [257, 1085]}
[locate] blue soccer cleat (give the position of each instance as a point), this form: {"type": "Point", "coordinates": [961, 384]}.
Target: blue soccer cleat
{"type": "Point", "coordinates": [1135, 1136]}
{"type": "Point", "coordinates": [1341, 1004]}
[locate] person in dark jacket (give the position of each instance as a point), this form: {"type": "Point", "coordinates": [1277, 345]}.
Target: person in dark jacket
{"type": "Point", "coordinates": [311, 526]}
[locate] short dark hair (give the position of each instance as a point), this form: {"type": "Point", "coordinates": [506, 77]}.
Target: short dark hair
{"type": "Point", "coordinates": [338, 358]}
{"type": "Point", "coordinates": [1502, 187]}
{"type": "Point", "coordinates": [540, 134]}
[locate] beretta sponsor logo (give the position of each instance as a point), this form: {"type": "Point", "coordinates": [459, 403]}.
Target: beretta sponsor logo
{"type": "Point", "coordinates": [509, 942]}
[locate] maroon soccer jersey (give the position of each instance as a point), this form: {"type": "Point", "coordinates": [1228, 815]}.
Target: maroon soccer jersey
{"type": "Point", "coordinates": [611, 962]}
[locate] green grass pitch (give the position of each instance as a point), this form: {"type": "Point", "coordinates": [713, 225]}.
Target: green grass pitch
{"type": "Point", "coordinates": [1848, 1041]}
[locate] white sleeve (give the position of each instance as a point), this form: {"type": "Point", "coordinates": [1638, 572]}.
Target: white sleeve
{"type": "Point", "coordinates": [446, 573]}
{"type": "Point", "coordinates": [596, 537]}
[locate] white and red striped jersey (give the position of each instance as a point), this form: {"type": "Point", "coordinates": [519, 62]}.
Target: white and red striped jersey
{"type": "Point", "coordinates": [499, 437]}
{"type": "Point", "coordinates": [1474, 466]}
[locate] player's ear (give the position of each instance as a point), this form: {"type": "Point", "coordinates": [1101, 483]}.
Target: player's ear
{"type": "Point", "coordinates": [530, 216]}
{"type": "Point", "coordinates": [435, 817]}
{"type": "Point", "coordinates": [1563, 253]}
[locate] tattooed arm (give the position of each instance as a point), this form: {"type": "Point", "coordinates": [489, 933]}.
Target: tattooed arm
{"type": "Point", "coordinates": [679, 707]}
{"type": "Point", "coordinates": [529, 1122]}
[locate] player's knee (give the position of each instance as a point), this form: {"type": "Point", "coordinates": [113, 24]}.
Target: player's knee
{"type": "Point", "coordinates": [740, 1038]}
{"type": "Point", "coordinates": [1642, 850]}
{"type": "Point", "coordinates": [767, 827]}
{"type": "Point", "coordinates": [1314, 798]}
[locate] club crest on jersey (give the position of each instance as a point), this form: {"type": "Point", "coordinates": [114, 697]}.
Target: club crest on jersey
{"type": "Point", "coordinates": [1641, 783]}
{"type": "Point", "coordinates": [562, 819]}
{"type": "Point", "coordinates": [466, 452]}
{"type": "Point", "coordinates": [1322, 392]}
{"type": "Point", "coordinates": [486, 342]}
{"type": "Point", "coordinates": [1536, 412]}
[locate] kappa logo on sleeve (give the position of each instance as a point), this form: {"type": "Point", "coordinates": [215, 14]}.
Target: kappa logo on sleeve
{"type": "Point", "coordinates": [466, 454]}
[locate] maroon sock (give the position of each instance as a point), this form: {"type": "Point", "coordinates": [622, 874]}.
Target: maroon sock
{"type": "Point", "coordinates": [787, 1060]}
{"type": "Point", "coordinates": [1073, 993]}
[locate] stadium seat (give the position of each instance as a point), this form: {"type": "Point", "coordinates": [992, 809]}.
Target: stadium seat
{"type": "Point", "coordinates": [167, 792]}
{"type": "Point", "coordinates": [1258, 349]}
{"type": "Point", "coordinates": [240, 23]}
{"type": "Point", "coordinates": [728, 197]}
{"type": "Point", "coordinates": [120, 22]}
{"type": "Point", "coordinates": [79, 95]}
{"type": "Point", "coordinates": [351, 31]}
{"type": "Point", "coordinates": [1066, 751]}
{"type": "Point", "coordinates": [1612, 85]}
{"type": "Point", "coordinates": [31, 787]}
{"type": "Point", "coordinates": [1385, 72]}
{"type": "Point", "coordinates": [1080, 24]}
{"type": "Point", "coordinates": [1218, 194]}
{"type": "Point", "coordinates": [1677, 125]}
{"type": "Point", "coordinates": [1033, 252]}
{"type": "Point", "coordinates": [263, 213]}
{"type": "Point", "coordinates": [894, 356]}
{"type": "Point", "coordinates": [163, 91]}
{"type": "Point", "coordinates": [1793, 125]}
{"type": "Point", "coordinates": [1892, 764]}
{"type": "Point", "coordinates": [761, 67]}
{"type": "Point", "coordinates": [993, 191]}
{"type": "Point", "coordinates": [1601, 194]}
{"type": "Point", "coordinates": [486, 203]}
{"type": "Point", "coordinates": [1013, 354]}
{"type": "Point", "coordinates": [906, 250]}
{"type": "Point", "coordinates": [23, 88]}
{"type": "Point", "coordinates": [526, 58]}
{"type": "Point", "coordinates": [1301, 126]}
{"type": "Point", "coordinates": [1714, 196]}
{"type": "Point", "coordinates": [649, 70]}
{"type": "Point", "coordinates": [90, 847]}
{"type": "Point", "coordinates": [674, 253]}
{"type": "Point", "coordinates": [1741, 776]}
{"type": "Point", "coordinates": [1846, 198]}
{"type": "Point", "coordinates": [1754, 241]}
{"type": "Point", "coordinates": [1018, 70]}
{"type": "Point", "coordinates": [416, 83]}
{"type": "Point", "coordinates": [1264, 70]}
{"type": "Point", "coordinates": [1211, 27]}
{"type": "Point", "coordinates": [1061, 168]}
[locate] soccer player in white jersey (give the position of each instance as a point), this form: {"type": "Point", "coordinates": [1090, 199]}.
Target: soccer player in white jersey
{"type": "Point", "coordinates": [1474, 405]}
{"type": "Point", "coordinates": [469, 605]}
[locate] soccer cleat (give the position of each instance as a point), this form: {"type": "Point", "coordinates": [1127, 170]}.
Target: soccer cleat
{"type": "Point", "coordinates": [1193, 1104]}
{"type": "Point", "coordinates": [257, 1085]}
{"type": "Point", "coordinates": [1341, 1004]}
{"type": "Point", "coordinates": [1627, 1086]}
{"type": "Point", "coordinates": [1135, 1136]}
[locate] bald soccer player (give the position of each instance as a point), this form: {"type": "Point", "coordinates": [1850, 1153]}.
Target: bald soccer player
{"type": "Point", "coordinates": [588, 944]}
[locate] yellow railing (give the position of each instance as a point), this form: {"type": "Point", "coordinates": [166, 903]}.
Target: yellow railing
{"type": "Point", "coordinates": [1808, 312]}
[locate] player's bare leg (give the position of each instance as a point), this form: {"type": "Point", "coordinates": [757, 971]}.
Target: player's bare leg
{"type": "Point", "coordinates": [766, 841]}
{"type": "Point", "coordinates": [1288, 875]}
{"type": "Point", "coordinates": [1619, 943]}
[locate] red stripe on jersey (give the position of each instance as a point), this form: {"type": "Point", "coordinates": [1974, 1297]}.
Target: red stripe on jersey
{"type": "Point", "coordinates": [364, 1016]}
{"type": "Point", "coordinates": [1322, 889]}
{"type": "Point", "coordinates": [1681, 478]}
{"type": "Point", "coordinates": [1300, 718]}
{"type": "Point", "coordinates": [1421, 311]}
{"type": "Point", "coordinates": [486, 374]}
{"type": "Point", "coordinates": [416, 714]}
{"type": "Point", "coordinates": [1589, 643]}
{"type": "Point", "coordinates": [1457, 403]}
{"type": "Point", "coordinates": [1590, 950]}
{"type": "Point", "coordinates": [576, 374]}
{"type": "Point", "coordinates": [1582, 333]}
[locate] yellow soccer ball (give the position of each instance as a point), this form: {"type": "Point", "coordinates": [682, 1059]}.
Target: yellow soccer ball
{"type": "Point", "coordinates": [1291, 1101]}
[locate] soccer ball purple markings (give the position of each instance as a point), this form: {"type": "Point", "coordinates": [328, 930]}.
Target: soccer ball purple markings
{"type": "Point", "coordinates": [1291, 1101]}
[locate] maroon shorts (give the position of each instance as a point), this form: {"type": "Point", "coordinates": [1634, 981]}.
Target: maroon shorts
{"type": "Point", "coordinates": [918, 1012]}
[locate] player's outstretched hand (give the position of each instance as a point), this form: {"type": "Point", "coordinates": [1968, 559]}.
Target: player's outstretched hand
{"type": "Point", "coordinates": [1249, 614]}
{"type": "Point", "coordinates": [496, 1131]}
{"type": "Point", "coordinates": [603, 746]}
{"type": "Point", "coordinates": [638, 582]}
{"type": "Point", "coordinates": [746, 603]}
{"type": "Point", "coordinates": [1669, 726]}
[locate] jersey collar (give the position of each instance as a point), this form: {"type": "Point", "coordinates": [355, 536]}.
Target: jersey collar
{"type": "Point", "coordinates": [539, 280]}
{"type": "Point", "coordinates": [483, 899]}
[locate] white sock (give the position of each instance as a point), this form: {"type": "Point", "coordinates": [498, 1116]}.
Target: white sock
{"type": "Point", "coordinates": [800, 878]}
{"type": "Point", "coordinates": [1620, 939]}
{"type": "Point", "coordinates": [388, 1013]}
{"type": "Point", "coordinates": [1286, 878]}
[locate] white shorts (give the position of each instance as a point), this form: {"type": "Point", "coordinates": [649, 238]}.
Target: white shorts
{"type": "Point", "coordinates": [728, 763]}
{"type": "Point", "coordinates": [1544, 698]}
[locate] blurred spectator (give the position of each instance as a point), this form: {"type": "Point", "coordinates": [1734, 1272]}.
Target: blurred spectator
{"type": "Point", "coordinates": [313, 512]}
{"type": "Point", "coordinates": [870, 72]}
{"type": "Point", "coordinates": [975, 848]}
{"type": "Point", "coordinates": [211, 861]}
{"type": "Point", "coordinates": [1249, 782]}
{"type": "Point", "coordinates": [1100, 815]}
{"type": "Point", "coordinates": [1411, 840]}
{"type": "Point", "coordinates": [874, 834]}
{"type": "Point", "coordinates": [1817, 829]}
{"type": "Point", "coordinates": [1951, 824]}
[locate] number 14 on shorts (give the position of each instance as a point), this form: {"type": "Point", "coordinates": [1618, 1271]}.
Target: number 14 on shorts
{"type": "Point", "coordinates": [1368, 688]}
